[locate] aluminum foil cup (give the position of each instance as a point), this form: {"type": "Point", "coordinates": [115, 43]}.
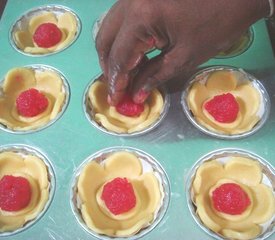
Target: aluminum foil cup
{"type": "Point", "coordinates": [22, 24]}
{"type": "Point", "coordinates": [65, 89]}
{"type": "Point", "coordinates": [223, 156]}
{"type": "Point", "coordinates": [240, 46]}
{"type": "Point", "coordinates": [24, 150]}
{"type": "Point", "coordinates": [202, 75]}
{"type": "Point", "coordinates": [88, 109]}
{"type": "Point", "coordinates": [149, 163]}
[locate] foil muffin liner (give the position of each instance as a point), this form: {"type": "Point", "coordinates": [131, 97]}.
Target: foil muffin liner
{"type": "Point", "coordinates": [88, 109]}
{"type": "Point", "coordinates": [24, 150]}
{"type": "Point", "coordinates": [65, 89]}
{"type": "Point", "coordinates": [263, 112]}
{"type": "Point", "coordinates": [223, 155]}
{"type": "Point", "coordinates": [22, 24]}
{"type": "Point", "coordinates": [240, 46]}
{"type": "Point", "coordinates": [148, 163]}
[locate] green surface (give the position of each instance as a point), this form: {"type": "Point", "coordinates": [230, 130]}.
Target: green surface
{"type": "Point", "coordinates": [176, 144]}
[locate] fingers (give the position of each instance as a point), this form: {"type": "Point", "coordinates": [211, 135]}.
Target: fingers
{"type": "Point", "coordinates": [107, 34]}
{"type": "Point", "coordinates": [158, 70]}
{"type": "Point", "coordinates": [130, 76]}
{"type": "Point", "coordinates": [125, 56]}
{"type": "Point", "coordinates": [120, 46]}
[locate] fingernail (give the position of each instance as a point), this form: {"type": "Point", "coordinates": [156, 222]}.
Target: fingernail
{"type": "Point", "coordinates": [141, 96]}
{"type": "Point", "coordinates": [151, 42]}
{"type": "Point", "coordinates": [109, 100]}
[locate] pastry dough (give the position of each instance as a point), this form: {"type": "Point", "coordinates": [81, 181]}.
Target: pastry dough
{"type": "Point", "coordinates": [18, 80]}
{"type": "Point", "coordinates": [109, 118]}
{"type": "Point", "coordinates": [35, 171]}
{"type": "Point", "coordinates": [66, 22]}
{"type": "Point", "coordinates": [248, 174]}
{"type": "Point", "coordinates": [220, 82]}
{"type": "Point", "coordinates": [148, 191]}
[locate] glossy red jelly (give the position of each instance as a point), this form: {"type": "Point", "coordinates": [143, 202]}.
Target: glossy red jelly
{"type": "Point", "coordinates": [31, 102]}
{"type": "Point", "coordinates": [223, 108]}
{"type": "Point", "coordinates": [47, 35]}
{"type": "Point", "coordinates": [230, 198]}
{"type": "Point", "coordinates": [129, 108]}
{"type": "Point", "coordinates": [119, 196]}
{"type": "Point", "coordinates": [15, 193]}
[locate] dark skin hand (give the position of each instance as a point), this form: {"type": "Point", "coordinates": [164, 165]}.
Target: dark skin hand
{"type": "Point", "coordinates": [188, 33]}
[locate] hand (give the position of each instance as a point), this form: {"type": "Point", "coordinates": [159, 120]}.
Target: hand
{"type": "Point", "coordinates": [188, 32]}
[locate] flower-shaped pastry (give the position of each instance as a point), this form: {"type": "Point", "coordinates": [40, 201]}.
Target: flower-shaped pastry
{"type": "Point", "coordinates": [21, 175]}
{"type": "Point", "coordinates": [17, 88]}
{"type": "Point", "coordinates": [231, 199]}
{"type": "Point", "coordinates": [46, 33]}
{"type": "Point", "coordinates": [116, 197]}
{"type": "Point", "coordinates": [113, 120]}
{"type": "Point", "coordinates": [225, 102]}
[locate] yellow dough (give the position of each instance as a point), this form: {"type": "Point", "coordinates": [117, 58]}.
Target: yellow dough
{"type": "Point", "coordinates": [221, 82]}
{"type": "Point", "coordinates": [18, 80]}
{"type": "Point", "coordinates": [66, 22]}
{"type": "Point", "coordinates": [148, 191]}
{"type": "Point", "coordinates": [109, 118]}
{"type": "Point", "coordinates": [248, 174]}
{"type": "Point", "coordinates": [35, 171]}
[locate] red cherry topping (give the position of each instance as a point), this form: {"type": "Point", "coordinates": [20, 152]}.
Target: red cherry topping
{"type": "Point", "coordinates": [230, 198]}
{"type": "Point", "coordinates": [15, 193]}
{"type": "Point", "coordinates": [47, 35]}
{"type": "Point", "coordinates": [224, 108]}
{"type": "Point", "coordinates": [31, 102]}
{"type": "Point", "coordinates": [119, 196]}
{"type": "Point", "coordinates": [129, 108]}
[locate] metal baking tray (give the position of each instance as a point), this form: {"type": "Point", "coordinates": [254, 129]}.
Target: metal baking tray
{"type": "Point", "coordinates": [176, 144]}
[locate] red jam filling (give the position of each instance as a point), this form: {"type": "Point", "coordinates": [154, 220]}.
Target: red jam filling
{"type": "Point", "coordinates": [129, 108]}
{"type": "Point", "coordinates": [47, 35]}
{"type": "Point", "coordinates": [15, 193]}
{"type": "Point", "coordinates": [119, 196]}
{"type": "Point", "coordinates": [31, 102]}
{"type": "Point", "coordinates": [223, 108]}
{"type": "Point", "coordinates": [230, 198]}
